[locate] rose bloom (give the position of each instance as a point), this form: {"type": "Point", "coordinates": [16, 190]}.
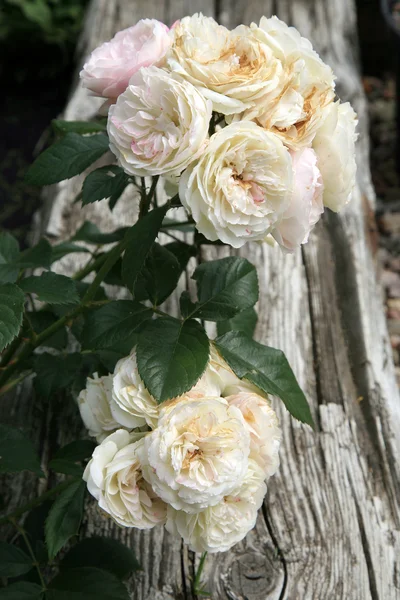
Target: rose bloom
{"type": "Point", "coordinates": [198, 453]}
{"type": "Point", "coordinates": [263, 425]}
{"type": "Point", "coordinates": [241, 185]}
{"type": "Point", "coordinates": [111, 65]}
{"type": "Point", "coordinates": [159, 125]}
{"type": "Point", "coordinates": [334, 146]}
{"type": "Point", "coordinates": [306, 206]}
{"type": "Point", "coordinates": [94, 406]}
{"type": "Point", "coordinates": [219, 527]}
{"type": "Point", "coordinates": [132, 405]}
{"type": "Point", "coordinates": [297, 112]}
{"type": "Point", "coordinates": [231, 68]}
{"type": "Point", "coordinates": [114, 478]}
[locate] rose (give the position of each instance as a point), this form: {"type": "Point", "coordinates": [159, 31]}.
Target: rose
{"type": "Point", "coordinates": [219, 527]}
{"type": "Point", "coordinates": [231, 68]}
{"type": "Point", "coordinates": [306, 205]}
{"type": "Point", "coordinates": [94, 406]}
{"type": "Point", "coordinates": [111, 65]}
{"type": "Point", "coordinates": [334, 145]}
{"type": "Point", "coordinates": [114, 478]}
{"type": "Point", "coordinates": [198, 453]}
{"type": "Point", "coordinates": [263, 425]}
{"type": "Point", "coordinates": [297, 112]}
{"type": "Point", "coordinates": [241, 186]}
{"type": "Point", "coordinates": [158, 125]}
{"type": "Point", "coordinates": [132, 405]}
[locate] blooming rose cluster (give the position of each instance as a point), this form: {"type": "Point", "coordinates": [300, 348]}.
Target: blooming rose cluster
{"type": "Point", "coordinates": [197, 464]}
{"type": "Point", "coordinates": [245, 120]}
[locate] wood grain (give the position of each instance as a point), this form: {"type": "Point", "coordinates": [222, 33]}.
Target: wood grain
{"type": "Point", "coordinates": [330, 525]}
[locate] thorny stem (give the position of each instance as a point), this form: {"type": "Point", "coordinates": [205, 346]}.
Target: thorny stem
{"type": "Point", "coordinates": [196, 583]}
{"type": "Point", "coordinates": [35, 562]}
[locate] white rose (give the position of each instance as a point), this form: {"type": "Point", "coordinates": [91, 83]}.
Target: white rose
{"type": "Point", "coordinates": [219, 527]}
{"type": "Point", "coordinates": [198, 453]}
{"type": "Point", "coordinates": [111, 65]}
{"type": "Point", "coordinates": [241, 186]}
{"type": "Point", "coordinates": [94, 406]}
{"type": "Point", "coordinates": [306, 206]}
{"type": "Point", "coordinates": [231, 68]}
{"type": "Point", "coordinates": [334, 146]}
{"type": "Point", "coordinates": [296, 114]}
{"type": "Point", "coordinates": [158, 125]}
{"type": "Point", "coordinates": [263, 425]}
{"type": "Point", "coordinates": [114, 478]}
{"type": "Point", "coordinates": [132, 405]}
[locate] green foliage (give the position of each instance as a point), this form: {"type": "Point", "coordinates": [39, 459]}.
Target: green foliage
{"type": "Point", "coordinates": [9, 251]}
{"type": "Point", "coordinates": [102, 553]}
{"type": "Point", "coordinates": [245, 321]}
{"type": "Point", "coordinates": [37, 256]}
{"type": "Point", "coordinates": [105, 182]}
{"type": "Point", "coordinates": [17, 452]}
{"type": "Point", "coordinates": [57, 23]}
{"type": "Point", "coordinates": [267, 368]}
{"type": "Point", "coordinates": [55, 372]}
{"type": "Point", "coordinates": [171, 356]}
{"type": "Point", "coordinates": [140, 239]}
{"type": "Point", "coordinates": [114, 323]}
{"type": "Point", "coordinates": [86, 583]}
{"type": "Point", "coordinates": [51, 288]}
{"type": "Point", "coordinates": [65, 517]}
{"type": "Point", "coordinates": [90, 233]}
{"type": "Point", "coordinates": [159, 276]}
{"type": "Point", "coordinates": [22, 590]}
{"type": "Point", "coordinates": [13, 562]}
{"type": "Point", "coordinates": [81, 127]}
{"type": "Point", "coordinates": [225, 287]}
{"type": "Point", "coordinates": [11, 311]}
{"type": "Point", "coordinates": [40, 321]}
{"type": "Point", "coordinates": [65, 248]}
{"type": "Point", "coordinates": [66, 158]}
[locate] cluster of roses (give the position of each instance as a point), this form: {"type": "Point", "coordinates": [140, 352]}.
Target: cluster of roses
{"type": "Point", "coordinates": [197, 463]}
{"type": "Point", "coordinates": [245, 122]}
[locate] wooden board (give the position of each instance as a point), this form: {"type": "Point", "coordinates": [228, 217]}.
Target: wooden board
{"type": "Point", "coordinates": [329, 529]}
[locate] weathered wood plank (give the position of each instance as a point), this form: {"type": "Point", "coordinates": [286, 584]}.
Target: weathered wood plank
{"type": "Point", "coordinates": [330, 525]}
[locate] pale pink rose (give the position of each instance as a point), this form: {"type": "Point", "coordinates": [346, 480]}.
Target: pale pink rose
{"type": "Point", "coordinates": [111, 65]}
{"type": "Point", "coordinates": [306, 206]}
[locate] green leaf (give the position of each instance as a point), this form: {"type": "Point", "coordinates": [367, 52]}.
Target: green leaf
{"type": "Point", "coordinates": [9, 251]}
{"type": "Point", "coordinates": [225, 287]}
{"type": "Point", "coordinates": [17, 452]}
{"type": "Point", "coordinates": [171, 224]}
{"type": "Point", "coordinates": [37, 256]}
{"type": "Point", "coordinates": [113, 323]}
{"type": "Point", "coordinates": [245, 321]}
{"type": "Point", "coordinates": [80, 127]}
{"type": "Point", "coordinates": [171, 356]}
{"type": "Point", "coordinates": [64, 248]}
{"type": "Point", "coordinates": [66, 158]}
{"type": "Point", "coordinates": [65, 517]}
{"type": "Point", "coordinates": [76, 451]}
{"type": "Point", "coordinates": [22, 590]}
{"type": "Point", "coordinates": [105, 182]}
{"type": "Point", "coordinates": [183, 252]}
{"type": "Point", "coordinates": [13, 562]}
{"type": "Point", "coordinates": [12, 302]}
{"type": "Point", "coordinates": [86, 583]}
{"type": "Point", "coordinates": [103, 553]}
{"type": "Point", "coordinates": [51, 288]}
{"type": "Point", "coordinates": [41, 320]}
{"type": "Point", "coordinates": [55, 373]}
{"type": "Point", "coordinates": [159, 276]}
{"type": "Point", "coordinates": [267, 368]}
{"type": "Point", "coordinates": [59, 465]}
{"type": "Point", "coordinates": [90, 233]}
{"type": "Point", "coordinates": [140, 239]}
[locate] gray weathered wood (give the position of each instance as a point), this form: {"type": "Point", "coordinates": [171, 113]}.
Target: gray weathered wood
{"type": "Point", "coordinates": [330, 525]}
